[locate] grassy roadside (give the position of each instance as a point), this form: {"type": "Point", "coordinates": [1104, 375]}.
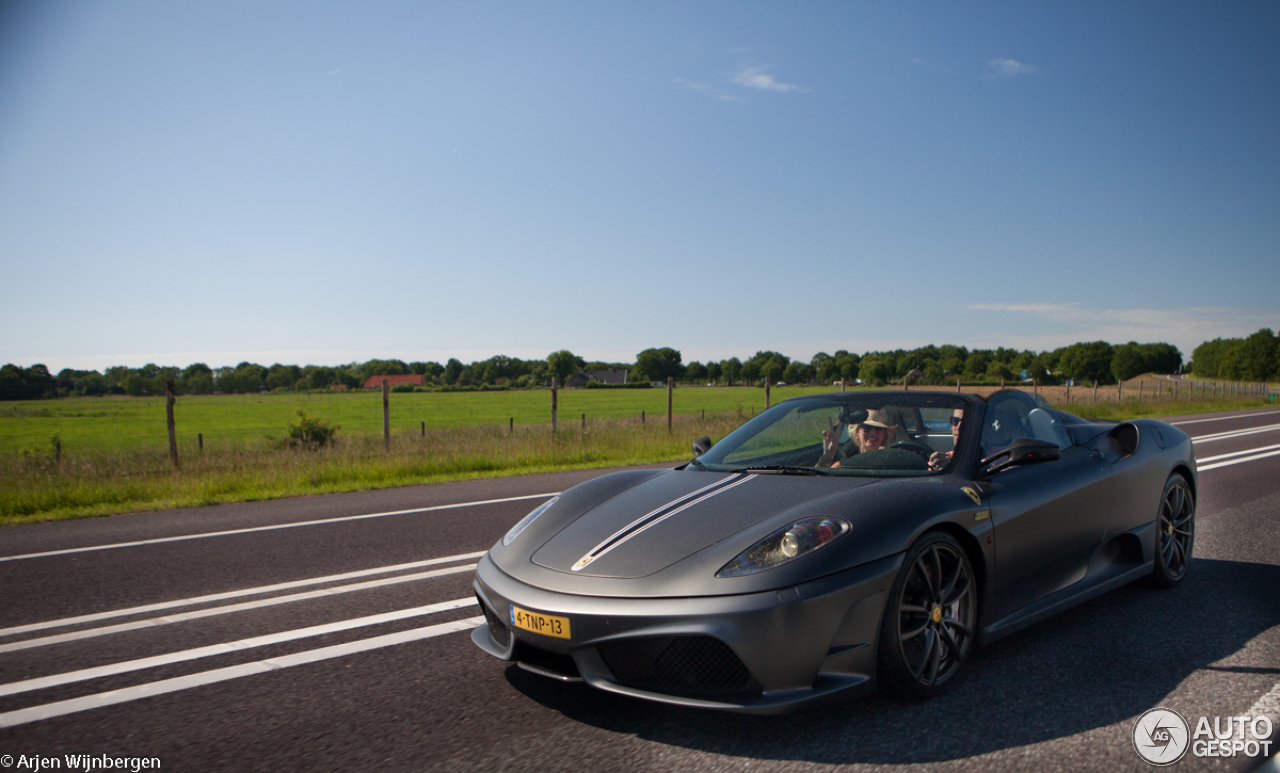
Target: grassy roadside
{"type": "Point", "coordinates": [101, 481]}
{"type": "Point", "coordinates": [42, 488]}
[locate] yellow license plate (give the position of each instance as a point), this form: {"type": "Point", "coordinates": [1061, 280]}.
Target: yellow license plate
{"type": "Point", "coordinates": [547, 625]}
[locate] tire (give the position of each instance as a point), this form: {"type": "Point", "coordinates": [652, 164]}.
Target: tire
{"type": "Point", "coordinates": [930, 620]}
{"type": "Point", "coordinates": [1175, 532]}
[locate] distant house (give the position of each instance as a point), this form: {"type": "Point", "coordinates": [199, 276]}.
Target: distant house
{"type": "Point", "coordinates": [375, 382]}
{"type": "Point", "coordinates": [603, 376]}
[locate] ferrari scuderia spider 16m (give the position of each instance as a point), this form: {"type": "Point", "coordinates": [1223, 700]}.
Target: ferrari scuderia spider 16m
{"type": "Point", "coordinates": [835, 544]}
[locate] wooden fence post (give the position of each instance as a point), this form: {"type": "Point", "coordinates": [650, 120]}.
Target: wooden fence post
{"type": "Point", "coordinates": [200, 441]}
{"type": "Point", "coordinates": [671, 382]}
{"type": "Point", "coordinates": [1095, 391]}
{"type": "Point", "coordinates": [957, 385]}
{"type": "Point", "coordinates": [1068, 390]}
{"type": "Point", "coordinates": [386, 413]}
{"type": "Point", "coordinates": [1119, 390]}
{"type": "Point", "coordinates": [841, 385]}
{"type": "Point", "coordinates": [511, 425]}
{"type": "Point", "coordinates": [555, 405]}
{"type": "Point", "coordinates": [424, 429]}
{"type": "Point", "coordinates": [642, 418]}
{"type": "Point", "coordinates": [173, 432]}
{"type": "Point", "coordinates": [766, 393]}
{"type": "Point", "coordinates": [584, 422]}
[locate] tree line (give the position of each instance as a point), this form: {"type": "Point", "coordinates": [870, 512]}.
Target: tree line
{"type": "Point", "coordinates": [1254, 358]}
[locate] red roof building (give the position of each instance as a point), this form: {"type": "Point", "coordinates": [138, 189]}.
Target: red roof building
{"type": "Point", "coordinates": [375, 382]}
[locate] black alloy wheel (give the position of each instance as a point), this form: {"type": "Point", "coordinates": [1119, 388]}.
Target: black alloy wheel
{"type": "Point", "coordinates": [1176, 535]}
{"type": "Point", "coordinates": [929, 625]}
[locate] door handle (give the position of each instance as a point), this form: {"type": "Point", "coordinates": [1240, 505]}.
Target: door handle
{"type": "Point", "coordinates": [1096, 454]}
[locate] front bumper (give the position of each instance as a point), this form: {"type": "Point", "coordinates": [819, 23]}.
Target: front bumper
{"type": "Point", "coordinates": [759, 653]}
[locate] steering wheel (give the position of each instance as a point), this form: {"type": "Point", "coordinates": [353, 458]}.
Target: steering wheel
{"type": "Point", "coordinates": [920, 449]}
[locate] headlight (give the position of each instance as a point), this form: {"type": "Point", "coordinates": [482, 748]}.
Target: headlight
{"type": "Point", "coordinates": [786, 544]}
{"type": "Point", "coordinates": [528, 519]}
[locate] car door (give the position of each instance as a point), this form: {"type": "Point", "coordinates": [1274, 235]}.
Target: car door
{"type": "Point", "coordinates": [1048, 518]}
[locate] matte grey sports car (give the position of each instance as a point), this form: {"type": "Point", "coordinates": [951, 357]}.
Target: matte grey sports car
{"type": "Point", "coordinates": [836, 543]}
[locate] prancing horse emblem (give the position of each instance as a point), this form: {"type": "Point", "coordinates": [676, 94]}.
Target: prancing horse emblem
{"type": "Point", "coordinates": [974, 495]}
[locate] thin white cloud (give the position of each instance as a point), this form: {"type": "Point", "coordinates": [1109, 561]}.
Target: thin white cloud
{"type": "Point", "coordinates": [332, 72]}
{"type": "Point", "coordinates": [685, 83]}
{"type": "Point", "coordinates": [1008, 68]}
{"type": "Point", "coordinates": [757, 78]}
{"type": "Point", "coordinates": [707, 89]}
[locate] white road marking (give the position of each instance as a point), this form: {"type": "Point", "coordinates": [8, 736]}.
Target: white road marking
{"type": "Point", "coordinates": [1216, 465]}
{"type": "Point", "coordinates": [199, 613]}
{"type": "Point", "coordinates": [1235, 433]}
{"type": "Point", "coordinates": [1224, 418]}
{"type": "Point", "coordinates": [45, 682]}
{"type": "Point", "coordinates": [1268, 704]}
{"type": "Point", "coordinates": [188, 602]}
{"type": "Point", "coordinates": [73, 705]}
{"type": "Point", "coordinates": [273, 528]}
{"type": "Point", "coordinates": [1236, 453]}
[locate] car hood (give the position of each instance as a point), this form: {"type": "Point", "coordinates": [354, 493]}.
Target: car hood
{"type": "Point", "coordinates": [663, 520]}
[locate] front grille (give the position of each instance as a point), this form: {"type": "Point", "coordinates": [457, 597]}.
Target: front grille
{"type": "Point", "coordinates": [498, 630]}
{"type": "Point", "coordinates": [695, 665]}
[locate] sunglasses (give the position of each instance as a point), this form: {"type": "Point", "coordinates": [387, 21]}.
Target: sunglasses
{"type": "Point", "coordinates": [955, 421]}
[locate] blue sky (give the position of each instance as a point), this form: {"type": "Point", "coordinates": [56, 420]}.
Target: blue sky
{"type": "Point", "coordinates": [323, 182]}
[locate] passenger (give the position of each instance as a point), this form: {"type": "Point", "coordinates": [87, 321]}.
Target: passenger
{"type": "Point", "coordinates": [879, 430]}
{"type": "Point", "coordinates": [938, 460]}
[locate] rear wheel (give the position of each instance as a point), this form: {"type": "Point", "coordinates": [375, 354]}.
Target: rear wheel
{"type": "Point", "coordinates": [929, 620]}
{"type": "Point", "coordinates": [1176, 535]}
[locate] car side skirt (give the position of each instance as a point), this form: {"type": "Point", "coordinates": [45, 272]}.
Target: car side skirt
{"type": "Point", "coordinates": [1103, 576]}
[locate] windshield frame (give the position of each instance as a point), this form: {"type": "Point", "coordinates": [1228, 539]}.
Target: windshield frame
{"type": "Point", "coordinates": [793, 460]}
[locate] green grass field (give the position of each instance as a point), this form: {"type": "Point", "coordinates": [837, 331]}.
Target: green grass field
{"type": "Point", "coordinates": [103, 423]}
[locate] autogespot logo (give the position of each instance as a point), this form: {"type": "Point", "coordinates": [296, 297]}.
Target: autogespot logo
{"type": "Point", "coordinates": [1161, 736]}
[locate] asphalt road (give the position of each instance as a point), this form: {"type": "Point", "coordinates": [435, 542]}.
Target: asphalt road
{"type": "Point", "coordinates": [331, 633]}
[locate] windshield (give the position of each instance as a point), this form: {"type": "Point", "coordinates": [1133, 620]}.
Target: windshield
{"type": "Point", "coordinates": [874, 433]}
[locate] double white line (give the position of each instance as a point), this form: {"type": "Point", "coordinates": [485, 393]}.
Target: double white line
{"type": "Point", "coordinates": [1236, 457]}
{"type": "Point", "coordinates": [60, 708]}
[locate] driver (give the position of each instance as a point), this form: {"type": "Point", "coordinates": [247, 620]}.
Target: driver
{"type": "Point", "coordinates": [879, 430]}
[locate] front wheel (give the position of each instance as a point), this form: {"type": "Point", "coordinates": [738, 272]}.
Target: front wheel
{"type": "Point", "coordinates": [1176, 527]}
{"type": "Point", "coordinates": [929, 621]}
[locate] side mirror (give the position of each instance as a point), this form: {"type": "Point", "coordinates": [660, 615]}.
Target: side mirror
{"type": "Point", "coordinates": [1024, 450]}
{"type": "Point", "coordinates": [701, 445]}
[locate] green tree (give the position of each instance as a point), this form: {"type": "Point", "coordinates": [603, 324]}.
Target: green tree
{"type": "Point", "coordinates": [731, 370]}
{"type": "Point", "coordinates": [451, 371]}
{"type": "Point", "coordinates": [563, 364]}
{"type": "Point", "coordinates": [659, 364]}
{"type": "Point", "coordinates": [1256, 356]}
{"type": "Point", "coordinates": [1087, 362]}
{"type": "Point", "coordinates": [874, 370]}
{"type": "Point", "coordinates": [695, 373]}
{"type": "Point", "coordinates": [797, 373]}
